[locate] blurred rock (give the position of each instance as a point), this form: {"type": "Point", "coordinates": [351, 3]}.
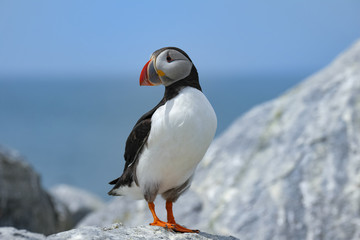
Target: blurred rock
{"type": "Point", "coordinates": [24, 203]}
{"type": "Point", "coordinates": [78, 201]}
{"type": "Point", "coordinates": [10, 233]}
{"type": "Point", "coordinates": [290, 168]}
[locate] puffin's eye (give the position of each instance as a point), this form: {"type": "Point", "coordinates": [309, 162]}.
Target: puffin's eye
{"type": "Point", "coordinates": [168, 59]}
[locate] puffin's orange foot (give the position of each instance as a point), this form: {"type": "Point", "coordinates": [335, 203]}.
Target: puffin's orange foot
{"type": "Point", "coordinates": [174, 227]}
{"type": "Point", "coordinates": [179, 228]}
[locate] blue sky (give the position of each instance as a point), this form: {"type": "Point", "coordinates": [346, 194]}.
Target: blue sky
{"type": "Point", "coordinates": [117, 37]}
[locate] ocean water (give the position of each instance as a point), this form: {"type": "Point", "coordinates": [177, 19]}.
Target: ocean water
{"type": "Point", "coordinates": [73, 130]}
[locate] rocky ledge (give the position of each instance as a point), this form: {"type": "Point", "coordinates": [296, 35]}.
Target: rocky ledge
{"type": "Point", "coordinates": [287, 169]}
{"type": "Point", "coordinates": [114, 232]}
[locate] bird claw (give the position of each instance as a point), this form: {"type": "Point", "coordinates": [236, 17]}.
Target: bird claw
{"type": "Point", "coordinates": [173, 227]}
{"type": "Point", "coordinates": [179, 228]}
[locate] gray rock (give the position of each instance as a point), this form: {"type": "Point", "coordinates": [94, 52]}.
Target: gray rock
{"type": "Point", "coordinates": [290, 168]}
{"type": "Point", "coordinates": [114, 232]}
{"type": "Point", "coordinates": [119, 232]}
{"type": "Point", "coordinates": [23, 202]}
{"type": "Point", "coordinates": [10, 233]}
{"type": "Point", "coordinates": [78, 201]}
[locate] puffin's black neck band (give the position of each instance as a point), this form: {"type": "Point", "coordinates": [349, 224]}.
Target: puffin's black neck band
{"type": "Point", "coordinates": [190, 81]}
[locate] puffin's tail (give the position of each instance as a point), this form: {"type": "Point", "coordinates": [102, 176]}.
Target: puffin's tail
{"type": "Point", "coordinates": [112, 191]}
{"type": "Point", "coordinates": [121, 189]}
{"type": "Point", "coordinates": [125, 185]}
{"type": "Point", "coordinates": [113, 182]}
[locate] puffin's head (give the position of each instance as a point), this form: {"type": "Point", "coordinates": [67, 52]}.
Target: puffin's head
{"type": "Point", "coordinates": [166, 66]}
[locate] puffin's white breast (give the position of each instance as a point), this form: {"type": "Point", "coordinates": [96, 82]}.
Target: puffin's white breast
{"type": "Point", "coordinates": [181, 132]}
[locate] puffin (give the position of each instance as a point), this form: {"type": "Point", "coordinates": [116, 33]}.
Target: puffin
{"type": "Point", "coordinates": [168, 142]}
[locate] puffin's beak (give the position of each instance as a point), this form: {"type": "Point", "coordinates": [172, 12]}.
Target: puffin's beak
{"type": "Point", "coordinates": [149, 76]}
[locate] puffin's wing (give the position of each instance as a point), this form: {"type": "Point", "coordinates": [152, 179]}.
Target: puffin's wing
{"type": "Point", "coordinates": [136, 141]}
{"type": "Point", "coordinates": [134, 144]}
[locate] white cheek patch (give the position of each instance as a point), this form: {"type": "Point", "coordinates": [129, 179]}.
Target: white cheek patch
{"type": "Point", "coordinates": [177, 69]}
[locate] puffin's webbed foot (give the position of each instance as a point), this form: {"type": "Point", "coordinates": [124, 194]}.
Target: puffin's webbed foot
{"type": "Point", "coordinates": [171, 224]}
{"type": "Point", "coordinates": [157, 221]}
{"type": "Point", "coordinates": [171, 220]}
{"type": "Point", "coordinates": [179, 228]}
